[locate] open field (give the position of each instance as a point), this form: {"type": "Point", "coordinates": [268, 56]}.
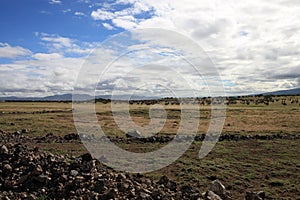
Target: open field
{"type": "Point", "coordinates": [45, 117]}
{"type": "Point", "coordinates": [269, 165]}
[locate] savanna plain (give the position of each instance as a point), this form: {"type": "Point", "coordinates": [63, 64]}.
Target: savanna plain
{"type": "Point", "coordinates": [258, 151]}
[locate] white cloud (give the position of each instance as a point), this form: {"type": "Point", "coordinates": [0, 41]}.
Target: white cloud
{"type": "Point", "coordinates": [7, 51]}
{"type": "Point", "coordinates": [253, 44]}
{"type": "Point", "coordinates": [45, 12]}
{"type": "Point", "coordinates": [45, 56]}
{"type": "Point", "coordinates": [57, 41]}
{"type": "Point", "coordinates": [55, 2]}
{"type": "Point", "coordinates": [84, 1]}
{"type": "Point", "coordinates": [67, 10]}
{"type": "Point", "coordinates": [108, 26]}
{"type": "Point", "coordinates": [77, 13]}
{"type": "Point", "coordinates": [124, 18]}
{"type": "Point", "coordinates": [124, 22]}
{"type": "Point", "coordinates": [43, 74]}
{"type": "Point", "coordinates": [256, 38]}
{"type": "Point", "coordinates": [63, 45]}
{"type": "Point", "coordinates": [102, 15]}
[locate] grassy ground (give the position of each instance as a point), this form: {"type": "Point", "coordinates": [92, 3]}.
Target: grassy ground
{"type": "Point", "coordinates": [272, 166]}
{"type": "Point", "coordinates": [57, 118]}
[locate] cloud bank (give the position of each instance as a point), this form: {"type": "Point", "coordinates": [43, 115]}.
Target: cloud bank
{"type": "Point", "coordinates": [253, 44]}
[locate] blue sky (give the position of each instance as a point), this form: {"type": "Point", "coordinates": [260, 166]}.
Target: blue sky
{"type": "Point", "coordinates": [21, 20]}
{"type": "Point", "coordinates": [43, 43]}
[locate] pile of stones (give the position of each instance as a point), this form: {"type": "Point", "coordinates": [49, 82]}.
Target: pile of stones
{"type": "Point", "coordinates": [22, 137]}
{"type": "Point", "coordinates": [27, 173]}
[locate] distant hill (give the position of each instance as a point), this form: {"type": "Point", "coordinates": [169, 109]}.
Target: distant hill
{"type": "Point", "coordinates": [84, 97]}
{"type": "Point", "coordinates": [68, 97]}
{"type": "Point", "coordinates": [295, 91]}
{"type": "Point", "coordinates": [63, 97]}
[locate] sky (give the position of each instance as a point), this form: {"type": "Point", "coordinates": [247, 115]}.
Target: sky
{"type": "Point", "coordinates": [45, 44]}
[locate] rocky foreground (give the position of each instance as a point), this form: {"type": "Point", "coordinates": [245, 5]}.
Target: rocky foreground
{"type": "Point", "coordinates": [30, 174]}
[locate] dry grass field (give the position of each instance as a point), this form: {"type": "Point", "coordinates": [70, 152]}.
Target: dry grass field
{"type": "Point", "coordinates": [269, 165]}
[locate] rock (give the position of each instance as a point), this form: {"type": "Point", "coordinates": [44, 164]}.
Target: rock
{"type": "Point", "coordinates": [261, 194]}
{"type": "Point", "coordinates": [143, 196]}
{"type": "Point", "coordinates": [8, 184]}
{"type": "Point", "coordinates": [164, 180]}
{"type": "Point", "coordinates": [86, 157]}
{"type": "Point", "coordinates": [7, 169]}
{"type": "Point", "coordinates": [186, 189]}
{"type": "Point", "coordinates": [32, 196]}
{"type": "Point", "coordinates": [254, 196]}
{"type": "Point", "coordinates": [111, 194]}
{"type": "Point", "coordinates": [99, 186]}
{"type": "Point", "coordinates": [30, 174]}
{"type": "Point", "coordinates": [71, 136]}
{"type": "Point", "coordinates": [17, 133]}
{"type": "Point", "coordinates": [79, 179]}
{"type": "Point", "coordinates": [22, 179]}
{"type": "Point", "coordinates": [158, 193]}
{"type": "Point", "coordinates": [210, 195]}
{"type": "Point", "coordinates": [24, 130]}
{"type": "Point", "coordinates": [218, 188]}
{"type": "Point", "coordinates": [37, 170]}
{"type": "Point", "coordinates": [40, 178]}
{"type": "Point", "coordinates": [146, 191]}
{"type": "Point", "coordinates": [121, 177]}
{"type": "Point", "coordinates": [74, 172]}
{"type": "Point", "coordinates": [122, 186]}
{"type": "Point", "coordinates": [131, 194]}
{"type": "Point", "coordinates": [134, 133]}
{"type": "Point", "coordinates": [172, 185]}
{"type": "Point", "coordinates": [196, 196]}
{"type": "Point", "coordinates": [4, 149]}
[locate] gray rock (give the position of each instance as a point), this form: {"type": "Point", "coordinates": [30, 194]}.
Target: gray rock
{"type": "Point", "coordinates": [164, 180]}
{"type": "Point", "coordinates": [186, 189]}
{"type": "Point", "coordinates": [40, 178]}
{"type": "Point", "coordinates": [111, 194]}
{"type": "Point", "coordinates": [79, 179]}
{"type": "Point", "coordinates": [24, 130]}
{"type": "Point", "coordinates": [32, 196]}
{"type": "Point", "coordinates": [123, 186]}
{"type": "Point", "coordinates": [253, 196]}
{"type": "Point", "coordinates": [22, 179]}
{"type": "Point", "coordinates": [210, 195]}
{"type": "Point", "coordinates": [218, 188]}
{"type": "Point", "coordinates": [143, 196]}
{"type": "Point", "coordinates": [99, 186]}
{"type": "Point", "coordinates": [121, 177]}
{"type": "Point", "coordinates": [38, 170]}
{"type": "Point", "coordinates": [74, 172]}
{"type": "Point", "coordinates": [7, 168]}
{"type": "Point", "coordinates": [4, 149]}
{"type": "Point", "coordinates": [261, 194]}
{"type": "Point", "coordinates": [8, 184]}
{"type": "Point", "coordinates": [134, 133]}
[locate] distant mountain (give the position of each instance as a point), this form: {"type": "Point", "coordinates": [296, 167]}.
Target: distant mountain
{"type": "Point", "coordinates": [13, 98]}
{"type": "Point", "coordinates": [62, 97]}
{"type": "Point", "coordinates": [84, 97]}
{"type": "Point", "coordinates": [68, 97]}
{"type": "Point", "coordinates": [295, 91]}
